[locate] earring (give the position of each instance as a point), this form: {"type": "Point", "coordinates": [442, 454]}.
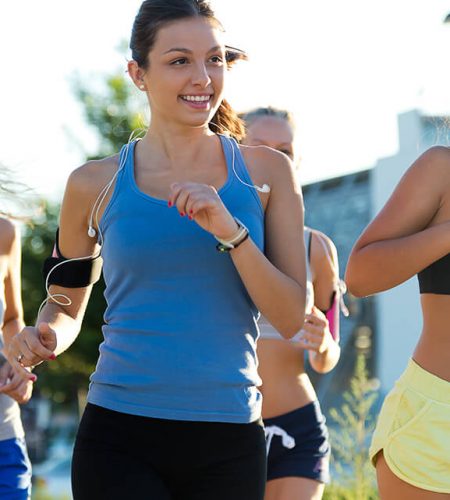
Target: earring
{"type": "Point", "coordinates": [142, 87]}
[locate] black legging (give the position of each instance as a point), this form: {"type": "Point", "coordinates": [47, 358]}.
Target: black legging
{"type": "Point", "coordinates": [127, 457]}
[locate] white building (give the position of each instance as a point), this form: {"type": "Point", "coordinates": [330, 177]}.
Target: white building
{"type": "Point", "coordinates": [385, 327]}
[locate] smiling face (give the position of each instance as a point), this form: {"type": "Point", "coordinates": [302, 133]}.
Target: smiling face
{"type": "Point", "coordinates": [271, 131]}
{"type": "Point", "coordinates": [186, 71]}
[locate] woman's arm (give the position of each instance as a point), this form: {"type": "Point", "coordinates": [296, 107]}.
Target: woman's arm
{"type": "Point", "coordinates": [321, 331]}
{"type": "Point", "coordinates": [14, 385]}
{"type": "Point", "coordinates": [10, 382]}
{"type": "Point", "coordinates": [59, 321]}
{"type": "Point", "coordinates": [407, 235]}
{"type": "Point", "coordinates": [275, 283]}
{"type": "Point", "coordinates": [276, 280]}
{"type": "Point", "coordinates": [11, 249]}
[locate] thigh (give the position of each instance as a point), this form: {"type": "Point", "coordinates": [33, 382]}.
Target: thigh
{"type": "Point", "coordinates": [107, 466]}
{"type": "Point", "coordinates": [15, 470]}
{"type": "Point", "coordinates": [294, 488]}
{"type": "Point", "coordinates": [234, 465]}
{"type": "Point", "coordinates": [112, 475]}
{"type": "Point", "coordinates": [391, 487]}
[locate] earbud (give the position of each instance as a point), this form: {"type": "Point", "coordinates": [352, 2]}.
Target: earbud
{"type": "Point", "coordinates": [93, 218]}
{"type": "Point", "coordinates": [263, 189]}
{"type": "Point", "coordinates": [92, 233]}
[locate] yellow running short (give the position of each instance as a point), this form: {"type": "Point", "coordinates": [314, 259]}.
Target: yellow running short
{"type": "Point", "coordinates": [413, 430]}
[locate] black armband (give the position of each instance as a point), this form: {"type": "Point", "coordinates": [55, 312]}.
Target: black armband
{"type": "Point", "coordinates": [71, 273]}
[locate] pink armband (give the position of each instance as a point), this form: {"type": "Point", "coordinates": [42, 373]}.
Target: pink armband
{"type": "Point", "coordinates": [337, 306]}
{"type": "Point", "coordinates": [332, 316]}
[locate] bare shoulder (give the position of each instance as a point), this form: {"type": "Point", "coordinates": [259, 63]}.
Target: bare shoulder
{"type": "Point", "coordinates": [266, 165]}
{"type": "Point", "coordinates": [323, 249]}
{"type": "Point", "coordinates": [427, 179]}
{"type": "Point", "coordinates": [83, 188]}
{"type": "Point", "coordinates": [325, 242]}
{"type": "Point", "coordinates": [437, 155]}
{"type": "Point", "coordinates": [87, 180]}
{"type": "Point", "coordinates": [435, 160]}
{"type": "Point", "coordinates": [9, 234]}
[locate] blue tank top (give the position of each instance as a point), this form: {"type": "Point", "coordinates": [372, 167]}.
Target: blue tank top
{"type": "Point", "coordinates": [180, 328]}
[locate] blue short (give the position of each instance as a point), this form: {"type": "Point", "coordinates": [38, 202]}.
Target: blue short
{"type": "Point", "coordinates": [15, 470]}
{"type": "Point", "coordinates": [298, 445]}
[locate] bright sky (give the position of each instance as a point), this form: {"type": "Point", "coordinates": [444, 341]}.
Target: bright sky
{"type": "Point", "coordinates": [345, 68]}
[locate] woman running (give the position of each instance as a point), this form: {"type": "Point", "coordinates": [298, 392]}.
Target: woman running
{"type": "Point", "coordinates": [297, 438]}
{"type": "Point", "coordinates": [15, 466]}
{"type": "Point", "coordinates": [182, 216]}
{"type": "Point", "coordinates": [411, 235]}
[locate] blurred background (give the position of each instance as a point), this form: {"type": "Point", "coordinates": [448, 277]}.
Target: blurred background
{"type": "Point", "coordinates": [368, 85]}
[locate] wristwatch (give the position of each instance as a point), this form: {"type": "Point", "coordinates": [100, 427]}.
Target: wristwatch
{"type": "Point", "coordinates": [238, 237]}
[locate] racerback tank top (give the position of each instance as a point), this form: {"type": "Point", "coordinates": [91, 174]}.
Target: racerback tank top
{"type": "Point", "coordinates": [180, 328]}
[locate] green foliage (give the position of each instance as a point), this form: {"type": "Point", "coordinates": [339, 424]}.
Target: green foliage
{"type": "Point", "coordinates": [337, 492]}
{"type": "Point", "coordinates": [40, 493]}
{"type": "Point", "coordinates": [350, 441]}
{"type": "Point", "coordinates": [113, 111]}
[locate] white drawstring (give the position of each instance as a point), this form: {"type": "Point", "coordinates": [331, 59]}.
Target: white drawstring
{"type": "Point", "coordinates": [273, 430]}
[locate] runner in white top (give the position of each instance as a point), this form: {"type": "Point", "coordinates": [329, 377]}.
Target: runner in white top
{"type": "Point", "coordinates": [297, 438]}
{"type": "Point", "coordinates": [15, 467]}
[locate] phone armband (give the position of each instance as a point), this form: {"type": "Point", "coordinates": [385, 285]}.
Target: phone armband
{"type": "Point", "coordinates": [71, 273]}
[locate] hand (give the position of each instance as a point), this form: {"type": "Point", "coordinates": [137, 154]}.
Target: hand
{"type": "Point", "coordinates": [12, 384]}
{"type": "Point", "coordinates": [202, 204]}
{"type": "Point", "coordinates": [315, 334]}
{"type": "Point", "coordinates": [30, 347]}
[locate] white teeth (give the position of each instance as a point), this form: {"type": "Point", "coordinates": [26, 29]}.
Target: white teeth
{"type": "Point", "coordinates": [196, 98]}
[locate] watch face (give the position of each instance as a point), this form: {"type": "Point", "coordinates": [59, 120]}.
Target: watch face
{"type": "Point", "coordinates": [240, 236]}
{"type": "Point", "coordinates": [222, 248]}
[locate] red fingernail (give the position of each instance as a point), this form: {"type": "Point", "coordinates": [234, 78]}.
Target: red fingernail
{"type": "Point", "coordinates": [52, 356]}
{"type": "Point", "coordinates": [169, 203]}
{"type": "Point", "coordinates": [190, 218]}
{"type": "Point", "coordinates": [191, 211]}
{"type": "Point", "coordinates": [182, 214]}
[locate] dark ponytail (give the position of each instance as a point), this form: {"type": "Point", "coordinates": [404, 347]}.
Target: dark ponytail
{"type": "Point", "coordinates": [226, 121]}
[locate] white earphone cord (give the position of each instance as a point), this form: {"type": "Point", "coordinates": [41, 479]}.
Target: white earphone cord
{"type": "Point", "coordinates": [262, 189]}
{"type": "Point", "coordinates": [92, 232]}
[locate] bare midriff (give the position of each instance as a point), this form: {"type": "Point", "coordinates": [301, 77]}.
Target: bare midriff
{"type": "Point", "coordinates": [286, 386]}
{"type": "Point", "coordinates": [432, 352]}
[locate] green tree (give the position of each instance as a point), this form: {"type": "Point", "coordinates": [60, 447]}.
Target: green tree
{"type": "Point", "coordinates": [350, 440]}
{"type": "Point", "coordinates": [113, 111]}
